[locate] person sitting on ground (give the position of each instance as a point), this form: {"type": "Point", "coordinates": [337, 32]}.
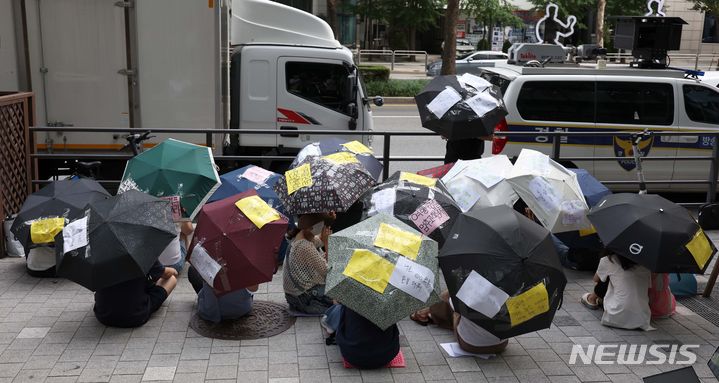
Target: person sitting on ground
{"type": "Point", "coordinates": [175, 253]}
{"type": "Point", "coordinates": [361, 343]}
{"type": "Point", "coordinates": [305, 267]}
{"type": "Point", "coordinates": [40, 261]}
{"type": "Point", "coordinates": [622, 289]}
{"type": "Point", "coordinates": [471, 337]}
{"type": "Point", "coordinates": [213, 308]}
{"type": "Point", "coordinates": [131, 303]}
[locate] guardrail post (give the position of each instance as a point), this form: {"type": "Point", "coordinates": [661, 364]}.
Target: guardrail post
{"type": "Point", "coordinates": [713, 169]}
{"type": "Point", "coordinates": [556, 143]}
{"type": "Point", "coordinates": [426, 59]}
{"type": "Point", "coordinates": [208, 140]}
{"type": "Point", "coordinates": [359, 57]}
{"type": "Point", "coordinates": [696, 63]}
{"type": "Point", "coordinates": [385, 157]}
{"type": "Point", "coordinates": [392, 66]}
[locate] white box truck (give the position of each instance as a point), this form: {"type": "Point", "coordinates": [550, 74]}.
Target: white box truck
{"type": "Point", "coordinates": [207, 64]}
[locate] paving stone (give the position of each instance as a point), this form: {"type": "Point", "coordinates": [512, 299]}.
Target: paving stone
{"type": "Point", "coordinates": [253, 364]}
{"type": "Point", "coordinates": [463, 364]}
{"type": "Point", "coordinates": [314, 375]}
{"type": "Point", "coordinates": [289, 370]}
{"type": "Point", "coordinates": [312, 363]}
{"type": "Point", "coordinates": [436, 372]}
{"type": "Point", "coordinates": [221, 372]}
{"type": "Point", "coordinates": [159, 373]}
{"type": "Point", "coordinates": [33, 332]}
{"type": "Point", "coordinates": [96, 375]}
{"type": "Point", "coordinates": [282, 357]}
{"type": "Point", "coordinates": [126, 378]}
{"type": "Point", "coordinates": [130, 368]}
{"type": "Point", "coordinates": [379, 375]}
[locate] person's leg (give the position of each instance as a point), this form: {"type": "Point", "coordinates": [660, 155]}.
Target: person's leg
{"type": "Point", "coordinates": [331, 320]}
{"type": "Point", "coordinates": [195, 279]}
{"type": "Point", "coordinates": [441, 313]}
{"type": "Point", "coordinates": [157, 295]}
{"type": "Point", "coordinates": [600, 289]}
{"type": "Point", "coordinates": [167, 283]}
{"type": "Point", "coordinates": [451, 154]}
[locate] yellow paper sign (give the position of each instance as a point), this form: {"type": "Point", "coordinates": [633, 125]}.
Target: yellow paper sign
{"type": "Point", "coordinates": [298, 178]}
{"type": "Point", "coordinates": [417, 179]}
{"type": "Point", "coordinates": [342, 158]}
{"type": "Point", "coordinates": [369, 269]}
{"type": "Point", "coordinates": [400, 241]}
{"type": "Point", "coordinates": [700, 248]}
{"type": "Point", "coordinates": [528, 304]}
{"type": "Point", "coordinates": [357, 147]}
{"type": "Point", "coordinates": [587, 231]}
{"type": "Point", "coordinates": [44, 230]}
{"type": "Point", "coordinates": [257, 210]}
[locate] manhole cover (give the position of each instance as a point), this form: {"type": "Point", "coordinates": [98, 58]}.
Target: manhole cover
{"type": "Point", "coordinates": [564, 320]}
{"type": "Point", "coordinates": [707, 308]}
{"type": "Point", "coordinates": [265, 320]}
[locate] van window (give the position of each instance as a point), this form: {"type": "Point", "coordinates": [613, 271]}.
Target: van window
{"type": "Point", "coordinates": [639, 103]}
{"type": "Point", "coordinates": [702, 104]}
{"type": "Point", "coordinates": [557, 101]}
{"type": "Point", "coordinates": [324, 84]}
{"type": "Point", "coordinates": [495, 79]}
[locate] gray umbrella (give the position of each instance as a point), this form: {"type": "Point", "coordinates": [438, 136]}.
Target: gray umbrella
{"type": "Point", "coordinates": [369, 275]}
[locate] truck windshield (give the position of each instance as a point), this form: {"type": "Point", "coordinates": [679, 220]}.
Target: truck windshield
{"type": "Point", "coordinates": [322, 83]}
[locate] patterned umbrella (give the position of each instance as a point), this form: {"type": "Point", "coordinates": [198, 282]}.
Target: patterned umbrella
{"type": "Point", "coordinates": [481, 183]}
{"type": "Point", "coordinates": [335, 145]}
{"type": "Point", "coordinates": [174, 169]}
{"type": "Point", "coordinates": [246, 178]}
{"type": "Point", "coordinates": [382, 269]}
{"type": "Point", "coordinates": [323, 184]}
{"type": "Point", "coordinates": [421, 202]}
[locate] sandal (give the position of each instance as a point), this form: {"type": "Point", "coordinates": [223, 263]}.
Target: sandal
{"type": "Point", "coordinates": [587, 304]}
{"type": "Point", "coordinates": [421, 317]}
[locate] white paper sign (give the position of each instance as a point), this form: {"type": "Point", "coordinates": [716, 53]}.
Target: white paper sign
{"type": "Point", "coordinates": [463, 194]}
{"type": "Point", "coordinates": [481, 295]}
{"type": "Point", "coordinates": [413, 278]}
{"type": "Point", "coordinates": [444, 101]}
{"type": "Point", "coordinates": [74, 235]}
{"type": "Point", "coordinates": [545, 194]}
{"type": "Point", "coordinates": [454, 351]}
{"type": "Point", "coordinates": [257, 175]}
{"type": "Point", "coordinates": [484, 176]}
{"type": "Point", "coordinates": [383, 202]}
{"type": "Point", "coordinates": [475, 82]}
{"type": "Point", "coordinates": [535, 162]}
{"type": "Point", "coordinates": [205, 265]}
{"type": "Point", "coordinates": [573, 212]}
{"type": "Point", "coordinates": [482, 103]}
{"type": "Point", "coordinates": [454, 171]}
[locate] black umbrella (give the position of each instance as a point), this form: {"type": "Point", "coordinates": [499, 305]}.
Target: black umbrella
{"type": "Point", "coordinates": [502, 271]}
{"type": "Point", "coordinates": [60, 199]}
{"type": "Point", "coordinates": [421, 202]}
{"type": "Point", "coordinates": [117, 240]}
{"type": "Point", "coordinates": [653, 232]}
{"type": "Point", "coordinates": [474, 112]}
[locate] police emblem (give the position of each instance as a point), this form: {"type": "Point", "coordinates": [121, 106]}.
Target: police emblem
{"type": "Point", "coordinates": [623, 148]}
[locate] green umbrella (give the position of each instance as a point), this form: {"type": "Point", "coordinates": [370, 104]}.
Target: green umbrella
{"type": "Point", "coordinates": [383, 269]}
{"type": "Point", "coordinates": [174, 169]}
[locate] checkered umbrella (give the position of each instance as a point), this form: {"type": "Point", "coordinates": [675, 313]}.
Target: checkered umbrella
{"type": "Point", "coordinates": [336, 145]}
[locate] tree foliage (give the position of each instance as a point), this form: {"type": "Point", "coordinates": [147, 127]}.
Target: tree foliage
{"type": "Point", "coordinates": [492, 12]}
{"type": "Point", "coordinates": [405, 17]}
{"type": "Point", "coordinates": [709, 6]}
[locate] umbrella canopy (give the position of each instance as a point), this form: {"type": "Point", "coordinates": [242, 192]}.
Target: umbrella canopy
{"type": "Point", "coordinates": [421, 202]}
{"type": "Point", "coordinates": [236, 242]}
{"type": "Point", "coordinates": [502, 271]}
{"type": "Point", "coordinates": [174, 168]}
{"type": "Point", "coordinates": [323, 184]}
{"type": "Point", "coordinates": [550, 190]}
{"type": "Point", "coordinates": [460, 107]}
{"type": "Point", "coordinates": [481, 183]}
{"type": "Point", "coordinates": [593, 192]}
{"type": "Point", "coordinates": [653, 232]}
{"type": "Point", "coordinates": [382, 269]}
{"type": "Point", "coordinates": [118, 239]}
{"type": "Point", "coordinates": [247, 178]}
{"type": "Point", "coordinates": [45, 212]}
{"type": "Point", "coordinates": [335, 145]}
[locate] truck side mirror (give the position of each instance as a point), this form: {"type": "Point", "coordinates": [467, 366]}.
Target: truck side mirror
{"type": "Point", "coordinates": [378, 100]}
{"type": "Point", "coordinates": [352, 110]}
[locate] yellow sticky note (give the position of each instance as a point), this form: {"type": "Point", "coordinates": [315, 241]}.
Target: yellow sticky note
{"type": "Point", "coordinates": [417, 179]}
{"type": "Point", "coordinates": [342, 158]}
{"type": "Point", "coordinates": [257, 210]}
{"type": "Point", "coordinates": [398, 240]}
{"type": "Point", "coordinates": [369, 269]}
{"type": "Point", "coordinates": [44, 230]}
{"type": "Point", "coordinates": [357, 147]}
{"type": "Point", "coordinates": [587, 231]}
{"type": "Point", "coordinates": [528, 304]}
{"type": "Point", "coordinates": [298, 178]}
{"type": "Point", "coordinates": [700, 248]}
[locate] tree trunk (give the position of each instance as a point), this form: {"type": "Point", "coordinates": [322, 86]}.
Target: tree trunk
{"type": "Point", "coordinates": [412, 38]}
{"type": "Point", "coordinates": [450, 40]}
{"type": "Point", "coordinates": [332, 17]}
{"type": "Point", "coordinates": [601, 5]}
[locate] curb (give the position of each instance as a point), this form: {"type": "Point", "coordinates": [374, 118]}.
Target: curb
{"type": "Point", "coordinates": [399, 100]}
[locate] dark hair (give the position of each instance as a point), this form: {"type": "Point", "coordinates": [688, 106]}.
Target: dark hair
{"type": "Point", "coordinates": [625, 262]}
{"type": "Point", "coordinates": [292, 232]}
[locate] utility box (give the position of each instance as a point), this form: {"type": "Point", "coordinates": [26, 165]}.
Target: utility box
{"type": "Point", "coordinates": [648, 37]}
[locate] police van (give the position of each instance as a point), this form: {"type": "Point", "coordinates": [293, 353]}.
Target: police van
{"type": "Point", "coordinates": [595, 98]}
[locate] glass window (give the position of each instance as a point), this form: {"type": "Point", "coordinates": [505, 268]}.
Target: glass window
{"type": "Point", "coordinates": [570, 101]}
{"type": "Point", "coordinates": [495, 79]}
{"type": "Point", "coordinates": [710, 33]}
{"type": "Point", "coordinates": [638, 103]}
{"type": "Point", "coordinates": [305, 5]}
{"type": "Point", "coordinates": [702, 104]}
{"type": "Point", "coordinates": [326, 84]}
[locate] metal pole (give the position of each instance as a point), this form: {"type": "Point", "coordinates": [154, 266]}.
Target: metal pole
{"type": "Point", "coordinates": [392, 68]}
{"type": "Point", "coordinates": [385, 157]}
{"type": "Point", "coordinates": [556, 143]}
{"type": "Point", "coordinates": [713, 169]}
{"type": "Point", "coordinates": [426, 60]}
{"type": "Point", "coordinates": [208, 140]}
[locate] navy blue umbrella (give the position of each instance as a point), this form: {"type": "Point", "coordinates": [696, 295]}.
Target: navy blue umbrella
{"type": "Point", "coordinates": [243, 179]}
{"type": "Point", "coordinates": [593, 192]}
{"type": "Point", "coordinates": [334, 145]}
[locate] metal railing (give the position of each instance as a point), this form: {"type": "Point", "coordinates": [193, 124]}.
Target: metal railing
{"type": "Point", "coordinates": [700, 61]}
{"type": "Point", "coordinates": [393, 55]}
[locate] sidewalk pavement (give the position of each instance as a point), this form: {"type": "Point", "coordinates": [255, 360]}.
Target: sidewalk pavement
{"type": "Point", "coordinates": [48, 333]}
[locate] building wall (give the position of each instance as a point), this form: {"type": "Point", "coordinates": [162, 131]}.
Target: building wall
{"type": "Point", "coordinates": [8, 54]}
{"type": "Point", "coordinates": [691, 33]}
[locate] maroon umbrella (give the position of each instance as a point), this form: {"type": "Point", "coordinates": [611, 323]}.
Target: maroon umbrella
{"type": "Point", "coordinates": [236, 242]}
